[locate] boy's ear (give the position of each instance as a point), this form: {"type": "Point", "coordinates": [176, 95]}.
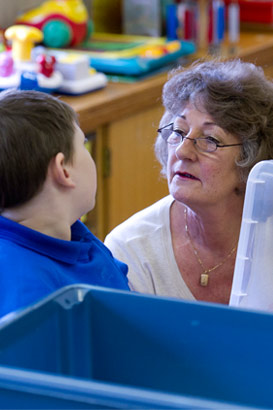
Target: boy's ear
{"type": "Point", "coordinates": [60, 171]}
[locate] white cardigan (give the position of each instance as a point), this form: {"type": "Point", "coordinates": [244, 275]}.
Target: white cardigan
{"type": "Point", "coordinates": [144, 242]}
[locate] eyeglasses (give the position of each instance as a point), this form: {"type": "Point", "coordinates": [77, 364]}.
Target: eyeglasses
{"type": "Point", "coordinates": [203, 144]}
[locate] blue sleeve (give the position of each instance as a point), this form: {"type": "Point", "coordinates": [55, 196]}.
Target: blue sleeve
{"type": "Point", "coordinates": [121, 269]}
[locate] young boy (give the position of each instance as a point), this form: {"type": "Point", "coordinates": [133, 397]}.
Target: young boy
{"type": "Point", "coordinates": [47, 182]}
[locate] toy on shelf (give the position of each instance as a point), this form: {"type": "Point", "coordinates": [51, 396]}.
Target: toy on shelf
{"type": "Point", "coordinates": [18, 70]}
{"type": "Point", "coordinates": [65, 25]}
{"type": "Point", "coordinates": [67, 29]}
{"type": "Point", "coordinates": [131, 55]}
{"type": "Point", "coordinates": [26, 67]}
{"type": "Point", "coordinates": [63, 22]}
{"type": "Point", "coordinates": [23, 40]}
{"type": "Point", "coordinates": [78, 76]}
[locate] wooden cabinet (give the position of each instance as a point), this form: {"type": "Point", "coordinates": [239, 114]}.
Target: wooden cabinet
{"type": "Point", "coordinates": [122, 120]}
{"type": "Point", "coordinates": [134, 178]}
{"type": "Point", "coordinates": [128, 173]}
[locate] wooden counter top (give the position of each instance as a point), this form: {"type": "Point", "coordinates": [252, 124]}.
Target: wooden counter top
{"type": "Point", "coordinates": [118, 100]}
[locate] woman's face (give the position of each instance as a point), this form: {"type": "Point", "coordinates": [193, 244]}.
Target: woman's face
{"type": "Point", "coordinates": [202, 178]}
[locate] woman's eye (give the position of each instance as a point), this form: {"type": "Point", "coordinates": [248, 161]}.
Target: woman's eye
{"type": "Point", "coordinates": [180, 132]}
{"type": "Point", "coordinates": [212, 139]}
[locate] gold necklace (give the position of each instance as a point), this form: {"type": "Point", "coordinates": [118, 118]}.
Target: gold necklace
{"type": "Point", "coordinates": [204, 277]}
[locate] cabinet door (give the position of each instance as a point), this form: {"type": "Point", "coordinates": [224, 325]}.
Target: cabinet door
{"type": "Point", "coordinates": [134, 181]}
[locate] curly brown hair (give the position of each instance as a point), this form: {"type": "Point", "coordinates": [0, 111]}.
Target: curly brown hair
{"type": "Point", "coordinates": [236, 94]}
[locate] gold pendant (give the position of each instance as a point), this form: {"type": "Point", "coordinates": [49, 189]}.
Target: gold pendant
{"type": "Point", "coordinates": [204, 279]}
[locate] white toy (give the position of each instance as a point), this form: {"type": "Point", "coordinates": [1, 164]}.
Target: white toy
{"type": "Point", "coordinates": [26, 67]}
{"type": "Point", "coordinates": [78, 76]}
{"type": "Point", "coordinates": [18, 70]}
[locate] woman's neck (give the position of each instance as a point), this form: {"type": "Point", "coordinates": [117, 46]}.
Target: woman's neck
{"type": "Point", "coordinates": [212, 228]}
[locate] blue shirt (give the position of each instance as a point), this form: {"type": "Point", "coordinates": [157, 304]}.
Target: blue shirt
{"type": "Point", "coordinates": [32, 264]}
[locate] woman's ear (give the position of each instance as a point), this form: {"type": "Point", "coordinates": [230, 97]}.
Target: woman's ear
{"type": "Point", "coordinates": [60, 171]}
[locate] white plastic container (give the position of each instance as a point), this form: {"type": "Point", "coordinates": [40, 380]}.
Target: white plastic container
{"type": "Point", "coordinates": [253, 275]}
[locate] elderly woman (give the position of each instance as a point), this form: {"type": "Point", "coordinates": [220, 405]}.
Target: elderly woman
{"type": "Point", "coordinates": [218, 123]}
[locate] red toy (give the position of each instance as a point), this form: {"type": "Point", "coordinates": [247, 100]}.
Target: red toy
{"type": "Point", "coordinates": [46, 64]}
{"type": "Point", "coordinates": [63, 22]}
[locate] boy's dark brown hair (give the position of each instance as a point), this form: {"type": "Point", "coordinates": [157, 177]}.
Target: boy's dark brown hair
{"type": "Point", "coordinates": [34, 127]}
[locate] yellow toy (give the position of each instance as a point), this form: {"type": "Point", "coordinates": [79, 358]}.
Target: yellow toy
{"type": "Point", "coordinates": [63, 22]}
{"type": "Point", "coordinates": [23, 39]}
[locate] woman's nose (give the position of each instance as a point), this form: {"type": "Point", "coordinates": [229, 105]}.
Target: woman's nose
{"type": "Point", "coordinates": [186, 148]}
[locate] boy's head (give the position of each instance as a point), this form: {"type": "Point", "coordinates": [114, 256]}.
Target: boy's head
{"type": "Point", "coordinates": [34, 127]}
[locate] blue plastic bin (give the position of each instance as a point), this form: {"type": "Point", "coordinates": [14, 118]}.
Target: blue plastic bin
{"type": "Point", "coordinates": [86, 347]}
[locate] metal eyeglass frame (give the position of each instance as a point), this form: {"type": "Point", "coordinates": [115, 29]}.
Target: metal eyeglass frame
{"type": "Point", "coordinates": [214, 144]}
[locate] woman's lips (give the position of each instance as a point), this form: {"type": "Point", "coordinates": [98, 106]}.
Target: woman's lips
{"type": "Point", "coordinates": [186, 175]}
